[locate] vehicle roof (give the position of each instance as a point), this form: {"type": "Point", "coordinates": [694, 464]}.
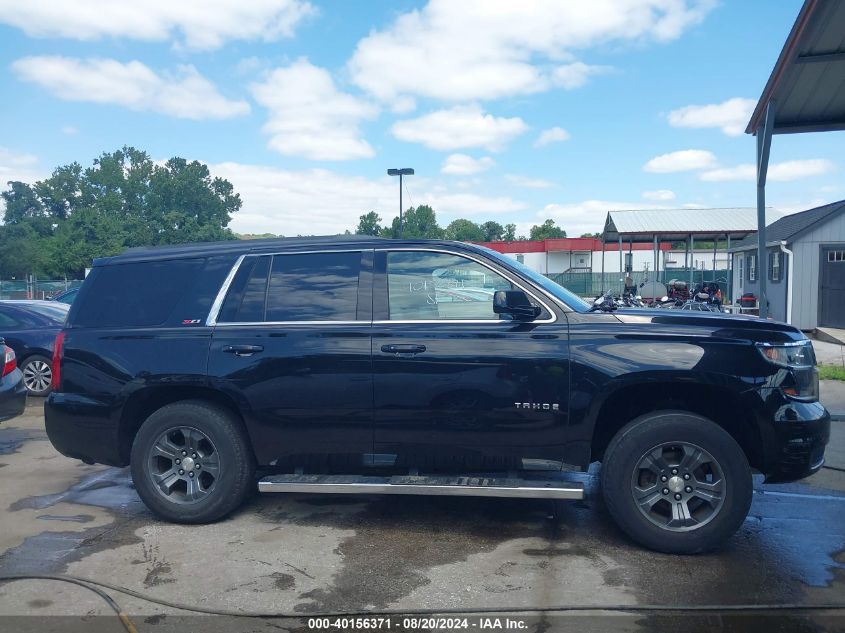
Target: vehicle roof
{"type": "Point", "coordinates": [205, 249]}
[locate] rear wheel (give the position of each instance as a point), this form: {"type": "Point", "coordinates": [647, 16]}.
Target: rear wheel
{"type": "Point", "coordinates": [191, 462]}
{"type": "Point", "coordinates": [676, 482]}
{"type": "Point", "coordinates": [37, 374]}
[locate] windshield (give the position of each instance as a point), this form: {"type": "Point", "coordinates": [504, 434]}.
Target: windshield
{"type": "Point", "coordinates": [556, 290]}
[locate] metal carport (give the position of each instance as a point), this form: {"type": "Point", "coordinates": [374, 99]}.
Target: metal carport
{"type": "Point", "coordinates": [805, 93]}
{"type": "Point", "coordinates": [679, 225]}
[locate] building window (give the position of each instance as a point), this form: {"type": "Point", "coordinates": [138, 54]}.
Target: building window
{"type": "Point", "coordinates": [774, 266]}
{"type": "Point", "coordinates": [520, 259]}
{"type": "Point", "coordinates": [836, 256]}
{"type": "Point", "coordinates": [752, 268]}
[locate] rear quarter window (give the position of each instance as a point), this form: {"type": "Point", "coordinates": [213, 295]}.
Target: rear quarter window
{"type": "Point", "coordinates": [136, 294]}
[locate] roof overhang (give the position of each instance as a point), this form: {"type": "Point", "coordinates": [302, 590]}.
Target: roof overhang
{"type": "Point", "coordinates": [807, 84]}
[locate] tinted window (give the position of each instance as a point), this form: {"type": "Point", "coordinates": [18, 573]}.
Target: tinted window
{"type": "Point", "coordinates": [245, 301]}
{"type": "Point", "coordinates": [137, 294]}
{"type": "Point", "coordinates": [426, 285]}
{"type": "Point", "coordinates": [313, 287]}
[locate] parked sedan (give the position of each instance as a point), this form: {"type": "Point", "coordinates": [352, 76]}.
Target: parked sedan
{"type": "Point", "coordinates": [30, 329]}
{"type": "Point", "coordinates": [12, 389]}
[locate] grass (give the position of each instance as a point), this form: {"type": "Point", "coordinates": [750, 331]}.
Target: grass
{"type": "Point", "coordinates": [831, 372]}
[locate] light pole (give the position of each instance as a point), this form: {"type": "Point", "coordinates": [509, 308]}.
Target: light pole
{"type": "Point", "coordinates": [405, 171]}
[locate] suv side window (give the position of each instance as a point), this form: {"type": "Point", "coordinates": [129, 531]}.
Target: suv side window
{"type": "Point", "coordinates": [425, 285]}
{"type": "Point", "coordinates": [314, 287]}
{"type": "Point", "coordinates": [295, 287]}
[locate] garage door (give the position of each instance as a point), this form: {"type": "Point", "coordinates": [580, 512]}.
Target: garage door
{"type": "Point", "coordinates": [832, 291]}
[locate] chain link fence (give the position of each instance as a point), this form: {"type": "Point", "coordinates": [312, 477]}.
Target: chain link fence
{"type": "Point", "coordinates": [35, 289]}
{"type": "Point", "coordinates": [587, 284]}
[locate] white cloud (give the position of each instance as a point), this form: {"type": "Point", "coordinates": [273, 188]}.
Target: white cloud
{"type": "Point", "coordinates": [730, 116]}
{"type": "Point", "coordinates": [463, 165]}
{"type": "Point", "coordinates": [69, 130]}
{"type": "Point", "coordinates": [528, 182]}
{"type": "Point", "coordinates": [659, 194]}
{"type": "Point", "coordinates": [778, 172]}
{"type": "Point", "coordinates": [552, 135]}
{"type": "Point", "coordinates": [185, 93]}
{"type": "Point", "coordinates": [576, 74]}
{"type": "Point", "coordinates": [683, 160]}
{"type": "Point", "coordinates": [325, 202]}
{"type": "Point", "coordinates": [587, 216]}
{"type": "Point", "coordinates": [15, 166]}
{"type": "Point", "coordinates": [489, 49]}
{"type": "Point", "coordinates": [195, 24]}
{"type": "Point", "coordinates": [459, 127]}
{"type": "Point", "coordinates": [310, 117]}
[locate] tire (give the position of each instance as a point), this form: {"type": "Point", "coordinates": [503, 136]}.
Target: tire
{"type": "Point", "coordinates": [680, 522]}
{"type": "Point", "coordinates": [204, 439]}
{"type": "Point", "coordinates": [37, 373]}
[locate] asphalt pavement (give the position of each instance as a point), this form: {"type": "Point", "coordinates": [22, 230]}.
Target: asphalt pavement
{"type": "Point", "coordinates": [312, 554]}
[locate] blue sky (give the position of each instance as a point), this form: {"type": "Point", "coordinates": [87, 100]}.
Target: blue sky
{"type": "Point", "coordinates": [515, 112]}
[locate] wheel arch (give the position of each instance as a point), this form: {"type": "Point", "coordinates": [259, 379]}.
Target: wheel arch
{"type": "Point", "coordinates": [144, 402]}
{"type": "Point", "coordinates": [719, 403]}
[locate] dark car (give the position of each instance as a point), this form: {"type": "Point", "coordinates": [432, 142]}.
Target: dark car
{"type": "Point", "coordinates": [65, 296]}
{"type": "Point", "coordinates": [30, 328]}
{"type": "Point", "coordinates": [422, 367]}
{"type": "Point", "coordinates": [12, 389]}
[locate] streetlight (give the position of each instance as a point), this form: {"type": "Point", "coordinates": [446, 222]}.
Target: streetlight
{"type": "Point", "coordinates": [405, 171]}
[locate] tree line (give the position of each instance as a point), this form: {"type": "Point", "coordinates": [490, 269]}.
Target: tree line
{"type": "Point", "coordinates": [421, 222]}
{"type": "Point", "coordinates": [55, 227]}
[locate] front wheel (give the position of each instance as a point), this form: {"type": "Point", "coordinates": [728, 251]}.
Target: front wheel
{"type": "Point", "coordinates": [191, 462]}
{"type": "Point", "coordinates": [676, 482]}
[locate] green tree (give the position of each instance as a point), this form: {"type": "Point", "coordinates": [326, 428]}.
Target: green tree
{"type": "Point", "coordinates": [546, 230]}
{"type": "Point", "coordinates": [464, 231]}
{"type": "Point", "coordinates": [369, 224]}
{"type": "Point", "coordinates": [493, 231]}
{"type": "Point", "coordinates": [590, 234]}
{"type": "Point", "coordinates": [510, 233]}
{"type": "Point", "coordinates": [58, 225]}
{"type": "Point", "coordinates": [420, 222]}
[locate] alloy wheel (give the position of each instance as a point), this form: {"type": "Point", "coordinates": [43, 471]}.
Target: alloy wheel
{"type": "Point", "coordinates": [37, 376]}
{"type": "Point", "coordinates": [184, 465]}
{"type": "Point", "coordinates": [678, 486]}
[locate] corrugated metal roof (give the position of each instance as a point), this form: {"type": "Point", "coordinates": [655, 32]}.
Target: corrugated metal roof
{"type": "Point", "coordinates": [677, 224]}
{"type": "Point", "coordinates": [807, 83]}
{"type": "Point", "coordinates": [791, 226]}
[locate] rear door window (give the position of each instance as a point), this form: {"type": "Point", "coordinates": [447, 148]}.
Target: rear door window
{"type": "Point", "coordinates": [295, 287]}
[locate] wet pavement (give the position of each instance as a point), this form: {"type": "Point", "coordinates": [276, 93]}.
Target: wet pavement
{"type": "Point", "coordinates": [312, 554]}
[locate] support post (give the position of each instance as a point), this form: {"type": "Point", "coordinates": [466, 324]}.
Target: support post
{"type": "Point", "coordinates": [692, 262]}
{"type": "Point", "coordinates": [764, 146]}
{"type": "Point", "coordinates": [621, 259]}
{"type": "Point", "coordinates": [602, 264]}
{"type": "Point", "coordinates": [729, 296]}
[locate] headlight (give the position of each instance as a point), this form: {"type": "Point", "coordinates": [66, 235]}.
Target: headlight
{"type": "Point", "coordinates": [798, 354]}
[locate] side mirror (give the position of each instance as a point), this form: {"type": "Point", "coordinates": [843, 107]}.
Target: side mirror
{"type": "Point", "coordinates": [515, 303]}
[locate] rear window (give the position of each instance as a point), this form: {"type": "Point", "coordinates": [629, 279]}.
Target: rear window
{"type": "Point", "coordinates": [137, 294]}
{"type": "Point", "coordinates": [296, 287]}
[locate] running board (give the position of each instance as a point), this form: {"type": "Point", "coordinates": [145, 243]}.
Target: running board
{"type": "Point", "coordinates": [420, 485]}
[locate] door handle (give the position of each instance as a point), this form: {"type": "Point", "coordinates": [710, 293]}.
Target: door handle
{"type": "Point", "coordinates": [243, 350]}
{"type": "Point", "coordinates": [403, 349]}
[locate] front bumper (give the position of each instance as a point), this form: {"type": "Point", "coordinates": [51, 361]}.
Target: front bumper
{"type": "Point", "coordinates": [12, 396]}
{"type": "Point", "coordinates": [799, 432]}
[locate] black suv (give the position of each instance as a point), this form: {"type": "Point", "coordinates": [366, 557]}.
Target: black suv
{"type": "Point", "coordinates": [355, 364]}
